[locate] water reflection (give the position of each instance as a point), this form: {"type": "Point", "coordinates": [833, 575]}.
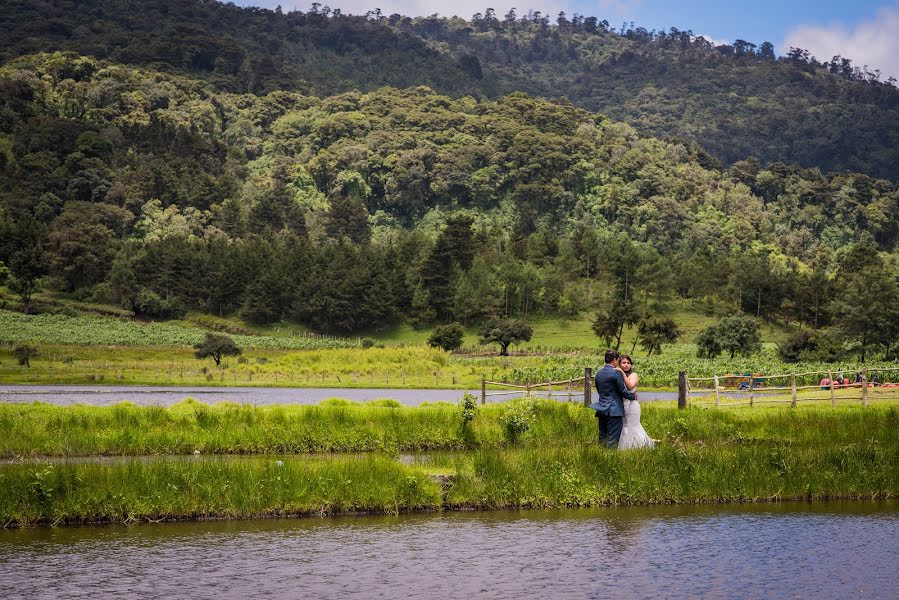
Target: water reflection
{"type": "Point", "coordinates": [789, 550]}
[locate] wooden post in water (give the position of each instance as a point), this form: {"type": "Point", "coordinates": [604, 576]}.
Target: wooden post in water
{"type": "Point", "coordinates": [833, 399]}
{"type": "Point", "coordinates": [483, 390]}
{"type": "Point", "coordinates": [588, 376]}
{"type": "Point", "coordinates": [527, 387]}
{"type": "Point", "coordinates": [865, 388]}
{"type": "Point", "coordinates": [717, 393]}
{"type": "Point", "coordinates": [682, 389]}
{"type": "Point", "coordinates": [793, 390]}
{"type": "Point", "coordinates": [569, 389]}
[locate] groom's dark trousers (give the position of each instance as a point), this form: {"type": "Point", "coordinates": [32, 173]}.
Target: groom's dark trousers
{"type": "Point", "coordinates": [609, 430]}
{"type": "Point", "coordinates": [609, 405]}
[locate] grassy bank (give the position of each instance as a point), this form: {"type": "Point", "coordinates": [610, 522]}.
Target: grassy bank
{"type": "Point", "coordinates": [532, 475]}
{"type": "Point", "coordinates": [34, 430]}
{"type": "Point", "coordinates": [736, 455]}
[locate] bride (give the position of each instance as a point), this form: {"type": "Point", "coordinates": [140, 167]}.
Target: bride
{"type": "Point", "coordinates": [632, 433]}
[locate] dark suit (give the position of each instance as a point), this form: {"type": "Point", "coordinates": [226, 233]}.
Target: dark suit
{"type": "Point", "coordinates": [609, 406]}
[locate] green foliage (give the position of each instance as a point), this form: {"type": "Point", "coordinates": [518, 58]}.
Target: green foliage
{"type": "Point", "coordinates": [24, 354]}
{"type": "Point", "coordinates": [469, 409]}
{"type": "Point", "coordinates": [517, 418]}
{"type": "Point", "coordinates": [505, 332]}
{"type": "Point", "coordinates": [448, 337]}
{"type": "Point", "coordinates": [217, 346]}
{"type": "Point", "coordinates": [354, 212]}
{"type": "Point", "coordinates": [656, 331]}
{"type": "Point", "coordinates": [737, 334]}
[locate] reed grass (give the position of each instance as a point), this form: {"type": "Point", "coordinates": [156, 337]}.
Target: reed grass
{"type": "Point", "coordinates": [739, 455]}
{"type": "Point", "coordinates": [33, 430]}
{"type": "Point", "coordinates": [167, 490]}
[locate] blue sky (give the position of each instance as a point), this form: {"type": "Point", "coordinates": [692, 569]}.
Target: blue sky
{"type": "Point", "coordinates": [866, 31]}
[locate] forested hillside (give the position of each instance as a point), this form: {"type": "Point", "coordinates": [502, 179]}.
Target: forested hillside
{"type": "Point", "coordinates": [735, 101]}
{"type": "Point", "coordinates": [160, 193]}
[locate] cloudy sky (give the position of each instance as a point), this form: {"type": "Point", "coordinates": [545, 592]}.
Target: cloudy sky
{"type": "Point", "coordinates": [867, 31]}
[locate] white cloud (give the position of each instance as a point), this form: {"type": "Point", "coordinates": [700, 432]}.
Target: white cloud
{"type": "Point", "coordinates": [874, 43]}
{"type": "Point", "coordinates": [714, 41]}
{"type": "Point", "coordinates": [417, 8]}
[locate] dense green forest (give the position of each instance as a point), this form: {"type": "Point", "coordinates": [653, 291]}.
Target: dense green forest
{"type": "Point", "coordinates": [160, 193]}
{"type": "Point", "coordinates": [735, 101]}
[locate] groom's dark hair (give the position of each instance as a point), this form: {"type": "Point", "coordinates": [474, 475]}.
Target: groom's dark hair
{"type": "Point", "coordinates": [611, 355]}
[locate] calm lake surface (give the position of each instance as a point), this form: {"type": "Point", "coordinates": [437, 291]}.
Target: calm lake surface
{"type": "Point", "coordinates": [830, 550]}
{"type": "Point", "coordinates": [165, 396]}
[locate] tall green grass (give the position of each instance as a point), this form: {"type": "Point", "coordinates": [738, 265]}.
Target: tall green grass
{"type": "Point", "coordinates": [341, 426]}
{"type": "Point", "coordinates": [146, 491]}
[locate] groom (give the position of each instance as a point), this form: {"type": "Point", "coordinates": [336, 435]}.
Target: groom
{"type": "Point", "coordinates": [609, 406]}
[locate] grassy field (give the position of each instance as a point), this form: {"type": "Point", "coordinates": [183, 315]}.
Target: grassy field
{"type": "Point", "coordinates": [762, 454]}
{"type": "Point", "coordinates": [390, 367]}
{"type": "Point", "coordinates": [108, 350]}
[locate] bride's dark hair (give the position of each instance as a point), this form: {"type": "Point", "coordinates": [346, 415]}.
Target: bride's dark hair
{"type": "Point", "coordinates": [630, 360]}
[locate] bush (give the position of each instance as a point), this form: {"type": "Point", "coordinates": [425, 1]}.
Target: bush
{"type": "Point", "coordinates": [799, 343]}
{"type": "Point", "coordinates": [469, 405]}
{"type": "Point", "coordinates": [151, 304]}
{"type": "Point", "coordinates": [368, 343]}
{"type": "Point", "coordinates": [24, 354]}
{"type": "Point", "coordinates": [448, 337]}
{"type": "Point", "coordinates": [517, 418]}
{"type": "Point", "coordinates": [737, 334]}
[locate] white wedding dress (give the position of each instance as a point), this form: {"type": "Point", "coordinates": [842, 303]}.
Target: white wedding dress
{"type": "Point", "coordinates": [632, 433]}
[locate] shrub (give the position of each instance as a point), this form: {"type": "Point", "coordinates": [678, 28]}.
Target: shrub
{"type": "Point", "coordinates": [800, 342]}
{"type": "Point", "coordinates": [151, 304]}
{"type": "Point", "coordinates": [469, 405]}
{"type": "Point", "coordinates": [517, 418]}
{"type": "Point", "coordinates": [24, 354]}
{"type": "Point", "coordinates": [368, 343]}
{"type": "Point", "coordinates": [448, 337]}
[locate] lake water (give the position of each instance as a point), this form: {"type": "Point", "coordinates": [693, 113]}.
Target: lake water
{"type": "Point", "coordinates": [165, 396]}
{"type": "Point", "coordinates": [830, 550]}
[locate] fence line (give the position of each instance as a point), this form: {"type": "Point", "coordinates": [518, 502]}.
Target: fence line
{"type": "Point", "coordinates": [582, 383]}
{"type": "Point", "coordinates": [758, 393]}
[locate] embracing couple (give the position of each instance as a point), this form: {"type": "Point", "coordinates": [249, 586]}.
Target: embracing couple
{"type": "Point", "coordinates": [619, 421]}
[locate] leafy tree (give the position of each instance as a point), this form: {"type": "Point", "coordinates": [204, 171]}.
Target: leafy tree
{"type": "Point", "coordinates": [505, 332]}
{"type": "Point", "coordinates": [24, 354]}
{"type": "Point", "coordinates": [607, 326]}
{"type": "Point", "coordinates": [865, 308]}
{"type": "Point", "coordinates": [796, 346]}
{"type": "Point", "coordinates": [449, 337]}
{"type": "Point", "coordinates": [737, 334]}
{"type": "Point", "coordinates": [25, 257]}
{"type": "Point", "coordinates": [217, 346]}
{"type": "Point", "coordinates": [656, 331]}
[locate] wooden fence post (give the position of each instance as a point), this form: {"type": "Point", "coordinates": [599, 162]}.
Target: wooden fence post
{"type": "Point", "coordinates": [569, 389]}
{"type": "Point", "coordinates": [682, 389]}
{"type": "Point", "coordinates": [751, 390]}
{"type": "Point", "coordinates": [483, 390]}
{"type": "Point", "coordinates": [793, 389]}
{"type": "Point", "coordinates": [717, 393]}
{"type": "Point", "coordinates": [588, 376]}
{"type": "Point", "coordinates": [865, 387]}
{"type": "Point", "coordinates": [833, 399]}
